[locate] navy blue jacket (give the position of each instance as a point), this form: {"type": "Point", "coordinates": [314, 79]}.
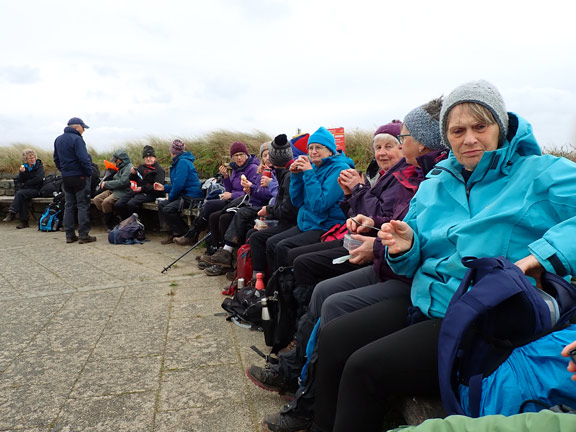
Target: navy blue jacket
{"type": "Point", "coordinates": [70, 154]}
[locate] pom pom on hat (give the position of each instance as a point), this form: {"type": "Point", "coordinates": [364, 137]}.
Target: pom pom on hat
{"type": "Point", "coordinates": [177, 147]}
{"type": "Point", "coordinates": [238, 147]}
{"type": "Point", "coordinates": [280, 151]}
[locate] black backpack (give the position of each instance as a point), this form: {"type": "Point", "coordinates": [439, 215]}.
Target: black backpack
{"type": "Point", "coordinates": [283, 308]}
{"type": "Point", "coordinates": [53, 216]}
{"type": "Point", "coordinates": [51, 186]}
{"type": "Point", "coordinates": [245, 307]}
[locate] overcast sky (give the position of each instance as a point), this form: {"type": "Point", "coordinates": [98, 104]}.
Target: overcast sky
{"type": "Point", "coordinates": [135, 68]}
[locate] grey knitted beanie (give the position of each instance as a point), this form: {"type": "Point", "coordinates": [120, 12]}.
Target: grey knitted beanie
{"type": "Point", "coordinates": [424, 128]}
{"type": "Point", "coordinates": [480, 92]}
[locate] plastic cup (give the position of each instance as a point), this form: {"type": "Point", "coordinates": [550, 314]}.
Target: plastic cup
{"type": "Point", "coordinates": [350, 243]}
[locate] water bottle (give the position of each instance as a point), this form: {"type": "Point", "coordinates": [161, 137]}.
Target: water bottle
{"type": "Point", "coordinates": [265, 311]}
{"type": "Point", "coordinates": [259, 281]}
{"type": "Point", "coordinates": [240, 283]}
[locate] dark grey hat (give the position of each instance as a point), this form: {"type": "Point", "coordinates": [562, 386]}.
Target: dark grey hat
{"type": "Point", "coordinates": [280, 152]}
{"type": "Point", "coordinates": [480, 92]}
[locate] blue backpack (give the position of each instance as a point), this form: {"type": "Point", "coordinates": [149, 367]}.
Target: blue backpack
{"type": "Point", "coordinates": [490, 323]}
{"type": "Point", "coordinates": [53, 216]}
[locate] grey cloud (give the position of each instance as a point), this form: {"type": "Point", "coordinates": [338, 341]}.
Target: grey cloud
{"type": "Point", "coordinates": [20, 74]}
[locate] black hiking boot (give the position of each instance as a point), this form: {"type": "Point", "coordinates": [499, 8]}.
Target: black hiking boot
{"type": "Point", "coordinates": [86, 239]}
{"type": "Point", "coordinates": [286, 422]}
{"type": "Point", "coordinates": [271, 380]}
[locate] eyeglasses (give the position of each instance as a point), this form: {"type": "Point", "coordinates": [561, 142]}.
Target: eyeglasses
{"type": "Point", "coordinates": [316, 148]}
{"type": "Point", "coordinates": [401, 137]}
{"type": "Point", "coordinates": [239, 155]}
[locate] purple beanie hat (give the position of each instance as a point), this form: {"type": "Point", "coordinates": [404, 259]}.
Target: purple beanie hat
{"type": "Point", "coordinates": [177, 147]}
{"type": "Point", "coordinates": [393, 128]}
{"type": "Point", "coordinates": [238, 147]}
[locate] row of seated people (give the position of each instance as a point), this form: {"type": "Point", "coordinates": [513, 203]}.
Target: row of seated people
{"type": "Point", "coordinates": [369, 328]}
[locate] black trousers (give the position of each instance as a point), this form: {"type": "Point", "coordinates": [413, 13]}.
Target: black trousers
{"type": "Point", "coordinates": [21, 200]}
{"type": "Point", "coordinates": [313, 263]}
{"type": "Point", "coordinates": [278, 246]}
{"type": "Point", "coordinates": [131, 203]}
{"type": "Point", "coordinates": [369, 355]}
{"type": "Point", "coordinates": [257, 242]}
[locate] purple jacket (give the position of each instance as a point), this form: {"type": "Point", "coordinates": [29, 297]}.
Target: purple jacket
{"type": "Point", "coordinates": [259, 195]}
{"type": "Point", "coordinates": [232, 183]}
{"type": "Point", "coordinates": [409, 179]}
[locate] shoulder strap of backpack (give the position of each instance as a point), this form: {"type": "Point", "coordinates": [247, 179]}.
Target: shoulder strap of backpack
{"type": "Point", "coordinates": [494, 280]}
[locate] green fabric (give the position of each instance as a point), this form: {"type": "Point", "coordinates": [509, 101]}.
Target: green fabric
{"type": "Point", "coordinates": [545, 421]}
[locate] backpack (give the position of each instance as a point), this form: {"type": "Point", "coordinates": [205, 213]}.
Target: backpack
{"type": "Point", "coordinates": [246, 307]}
{"type": "Point", "coordinates": [51, 186]}
{"type": "Point", "coordinates": [283, 308]}
{"type": "Point", "coordinates": [129, 231]}
{"type": "Point", "coordinates": [492, 323]}
{"type": "Point", "coordinates": [53, 216]}
{"type": "Point", "coordinates": [243, 269]}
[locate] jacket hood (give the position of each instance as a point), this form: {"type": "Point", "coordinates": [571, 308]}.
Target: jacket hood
{"type": "Point", "coordinates": [123, 156]}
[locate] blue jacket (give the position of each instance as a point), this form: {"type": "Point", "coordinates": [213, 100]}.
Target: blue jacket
{"type": "Point", "coordinates": [316, 193]}
{"type": "Point", "coordinates": [70, 154]}
{"type": "Point", "coordinates": [184, 181]}
{"type": "Point", "coordinates": [516, 202]}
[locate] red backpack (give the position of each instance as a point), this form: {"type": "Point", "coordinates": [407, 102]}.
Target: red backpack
{"type": "Point", "coordinates": [243, 269]}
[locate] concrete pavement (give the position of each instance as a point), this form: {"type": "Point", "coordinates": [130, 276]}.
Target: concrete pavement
{"type": "Point", "coordinates": [94, 337]}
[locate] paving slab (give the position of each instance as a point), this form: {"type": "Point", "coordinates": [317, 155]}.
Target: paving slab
{"type": "Point", "coordinates": [95, 337]}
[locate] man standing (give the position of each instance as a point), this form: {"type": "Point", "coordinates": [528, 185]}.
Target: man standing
{"type": "Point", "coordinates": [75, 164]}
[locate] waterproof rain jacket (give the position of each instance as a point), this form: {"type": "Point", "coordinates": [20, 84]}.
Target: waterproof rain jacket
{"type": "Point", "coordinates": [120, 183]}
{"type": "Point", "coordinates": [515, 203]}
{"type": "Point", "coordinates": [184, 181]}
{"type": "Point", "coordinates": [316, 192]}
{"type": "Point", "coordinates": [249, 169]}
{"type": "Point", "coordinates": [70, 154]}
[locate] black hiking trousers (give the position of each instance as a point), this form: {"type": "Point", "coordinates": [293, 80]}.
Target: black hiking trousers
{"type": "Point", "coordinates": [365, 357]}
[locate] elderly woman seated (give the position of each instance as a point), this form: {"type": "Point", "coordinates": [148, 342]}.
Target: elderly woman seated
{"type": "Point", "coordinates": [29, 181]}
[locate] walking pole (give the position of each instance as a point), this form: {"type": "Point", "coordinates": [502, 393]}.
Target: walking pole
{"type": "Point", "coordinates": [186, 253]}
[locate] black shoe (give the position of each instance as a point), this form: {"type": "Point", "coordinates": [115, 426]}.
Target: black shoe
{"type": "Point", "coordinates": [86, 239]}
{"type": "Point", "coordinates": [71, 239]}
{"type": "Point", "coordinates": [167, 240]}
{"type": "Point", "coordinates": [202, 265]}
{"type": "Point", "coordinates": [271, 380]}
{"type": "Point", "coordinates": [286, 422]}
{"type": "Point", "coordinates": [23, 224]}
{"type": "Point", "coordinates": [216, 270]}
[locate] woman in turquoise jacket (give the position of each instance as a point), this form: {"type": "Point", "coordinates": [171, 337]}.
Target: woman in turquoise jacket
{"type": "Point", "coordinates": [495, 195]}
{"type": "Point", "coordinates": [314, 190]}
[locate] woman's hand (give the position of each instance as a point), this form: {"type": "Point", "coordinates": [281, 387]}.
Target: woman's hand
{"type": "Point", "coordinates": [223, 170]}
{"type": "Point", "coordinates": [22, 168]}
{"type": "Point", "coordinates": [265, 181]}
{"type": "Point", "coordinates": [364, 253]}
{"type": "Point", "coordinates": [225, 196]}
{"type": "Point", "coordinates": [246, 185]}
{"type": "Point", "coordinates": [354, 228]}
{"type": "Point", "coordinates": [531, 267]}
{"type": "Point", "coordinates": [137, 189]}
{"type": "Point", "coordinates": [566, 353]}
{"type": "Point", "coordinates": [262, 212]}
{"type": "Point", "coordinates": [301, 164]}
{"type": "Point", "coordinates": [158, 186]}
{"type": "Point", "coordinates": [397, 235]}
{"type": "Point", "coordinates": [348, 179]}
